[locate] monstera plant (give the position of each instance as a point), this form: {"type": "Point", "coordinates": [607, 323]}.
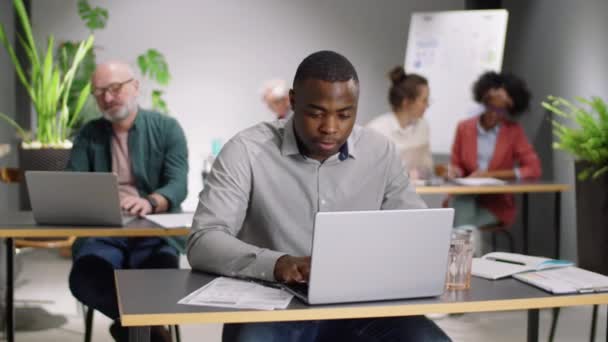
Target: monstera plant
{"type": "Point", "coordinates": [152, 64]}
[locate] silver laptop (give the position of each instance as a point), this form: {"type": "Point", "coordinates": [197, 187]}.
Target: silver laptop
{"type": "Point", "coordinates": [75, 198]}
{"type": "Point", "coordinates": [377, 255]}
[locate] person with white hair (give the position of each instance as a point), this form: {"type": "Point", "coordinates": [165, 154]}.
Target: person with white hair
{"type": "Point", "coordinates": [275, 93]}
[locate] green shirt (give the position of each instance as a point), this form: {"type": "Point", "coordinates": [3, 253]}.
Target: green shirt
{"type": "Point", "coordinates": [158, 153]}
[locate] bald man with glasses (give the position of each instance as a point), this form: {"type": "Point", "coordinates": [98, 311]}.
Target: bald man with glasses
{"type": "Point", "coordinates": [148, 153]}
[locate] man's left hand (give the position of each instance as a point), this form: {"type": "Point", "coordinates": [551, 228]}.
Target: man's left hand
{"type": "Point", "coordinates": [136, 205]}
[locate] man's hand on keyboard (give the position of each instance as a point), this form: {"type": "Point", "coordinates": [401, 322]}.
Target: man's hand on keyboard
{"type": "Point", "coordinates": [136, 205]}
{"type": "Point", "coordinates": [289, 269]}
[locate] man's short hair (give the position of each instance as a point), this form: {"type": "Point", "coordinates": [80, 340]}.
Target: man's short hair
{"type": "Point", "coordinates": [327, 66]}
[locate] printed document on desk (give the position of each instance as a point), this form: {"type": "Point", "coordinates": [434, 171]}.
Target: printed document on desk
{"type": "Point", "coordinates": [500, 265]}
{"type": "Point", "coordinates": [566, 280]}
{"type": "Point", "coordinates": [181, 220]}
{"type": "Point", "coordinates": [476, 181]}
{"type": "Point", "coordinates": [238, 294]}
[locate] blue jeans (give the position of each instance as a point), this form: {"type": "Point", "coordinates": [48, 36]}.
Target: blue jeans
{"type": "Point", "coordinates": [389, 329]}
{"type": "Point", "coordinates": [92, 275]}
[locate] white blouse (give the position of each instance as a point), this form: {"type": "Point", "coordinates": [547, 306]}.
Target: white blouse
{"type": "Point", "coordinates": [413, 141]}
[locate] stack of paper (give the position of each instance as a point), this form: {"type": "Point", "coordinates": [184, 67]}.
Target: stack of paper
{"type": "Point", "coordinates": [566, 280]}
{"type": "Point", "coordinates": [181, 220]}
{"type": "Point", "coordinates": [500, 265]}
{"type": "Point", "coordinates": [478, 181]}
{"type": "Point", "coordinates": [239, 294]}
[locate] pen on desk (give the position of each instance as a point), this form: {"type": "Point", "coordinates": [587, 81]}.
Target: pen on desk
{"type": "Point", "coordinates": [507, 261]}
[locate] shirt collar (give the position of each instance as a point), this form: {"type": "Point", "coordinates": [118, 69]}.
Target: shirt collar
{"type": "Point", "coordinates": [481, 130]}
{"type": "Point", "coordinates": [291, 146]}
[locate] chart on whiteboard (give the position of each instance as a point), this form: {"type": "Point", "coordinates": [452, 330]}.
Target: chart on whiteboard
{"type": "Point", "coordinates": [452, 49]}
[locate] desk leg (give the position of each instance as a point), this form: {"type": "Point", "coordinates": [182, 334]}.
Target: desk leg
{"type": "Point", "coordinates": [525, 221]}
{"type": "Point", "coordinates": [533, 325]}
{"type": "Point", "coordinates": [139, 334]}
{"type": "Point", "coordinates": [558, 223]}
{"type": "Point", "coordinates": [10, 285]}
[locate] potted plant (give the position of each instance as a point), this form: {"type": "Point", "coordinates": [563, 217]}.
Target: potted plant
{"type": "Point", "coordinates": [48, 86]}
{"type": "Point", "coordinates": [583, 133]}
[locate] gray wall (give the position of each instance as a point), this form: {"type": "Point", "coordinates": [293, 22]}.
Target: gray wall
{"type": "Point", "coordinates": [559, 47]}
{"type": "Point", "coordinates": [8, 193]}
{"type": "Point", "coordinates": [220, 52]}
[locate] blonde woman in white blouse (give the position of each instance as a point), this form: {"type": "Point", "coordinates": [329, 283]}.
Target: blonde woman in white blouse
{"type": "Point", "coordinates": [405, 125]}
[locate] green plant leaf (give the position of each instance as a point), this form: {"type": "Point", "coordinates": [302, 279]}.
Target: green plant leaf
{"type": "Point", "coordinates": [24, 19]}
{"type": "Point", "coordinates": [20, 131]}
{"type": "Point", "coordinates": [153, 65]}
{"type": "Point", "coordinates": [158, 103]}
{"type": "Point", "coordinates": [582, 131]}
{"type": "Point", "coordinates": [94, 18]}
{"type": "Point", "coordinates": [18, 68]}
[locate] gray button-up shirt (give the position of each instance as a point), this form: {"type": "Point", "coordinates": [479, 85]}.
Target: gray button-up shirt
{"type": "Point", "coordinates": [262, 195]}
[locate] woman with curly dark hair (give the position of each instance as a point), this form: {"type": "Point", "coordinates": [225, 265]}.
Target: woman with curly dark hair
{"type": "Point", "coordinates": [493, 144]}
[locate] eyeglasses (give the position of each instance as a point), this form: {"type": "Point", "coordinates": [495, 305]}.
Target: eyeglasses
{"type": "Point", "coordinates": [113, 88]}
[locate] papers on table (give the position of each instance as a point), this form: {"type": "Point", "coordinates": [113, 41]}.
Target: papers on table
{"type": "Point", "coordinates": [181, 220]}
{"type": "Point", "coordinates": [472, 181]}
{"type": "Point", "coordinates": [500, 265]}
{"type": "Point", "coordinates": [238, 294]}
{"type": "Point", "coordinates": [566, 280]}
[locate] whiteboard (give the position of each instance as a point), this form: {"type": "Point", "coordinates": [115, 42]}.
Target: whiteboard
{"type": "Point", "coordinates": [452, 49]}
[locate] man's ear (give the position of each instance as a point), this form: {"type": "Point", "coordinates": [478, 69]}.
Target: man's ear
{"type": "Point", "coordinates": [136, 85]}
{"type": "Point", "coordinates": [292, 99]}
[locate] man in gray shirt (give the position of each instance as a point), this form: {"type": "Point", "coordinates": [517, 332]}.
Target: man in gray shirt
{"type": "Point", "coordinates": [256, 213]}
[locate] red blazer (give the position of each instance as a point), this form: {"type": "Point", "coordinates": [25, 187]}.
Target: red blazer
{"type": "Point", "coordinates": [512, 149]}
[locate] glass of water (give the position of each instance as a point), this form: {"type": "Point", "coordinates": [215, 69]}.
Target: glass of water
{"type": "Point", "coordinates": [460, 259]}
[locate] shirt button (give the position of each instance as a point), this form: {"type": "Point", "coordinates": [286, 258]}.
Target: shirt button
{"type": "Point", "coordinates": [323, 202]}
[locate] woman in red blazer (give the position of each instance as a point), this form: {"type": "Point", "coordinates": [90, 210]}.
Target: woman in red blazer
{"type": "Point", "coordinates": [492, 144]}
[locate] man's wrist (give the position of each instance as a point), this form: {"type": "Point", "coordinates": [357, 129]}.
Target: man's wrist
{"type": "Point", "coordinates": [153, 203]}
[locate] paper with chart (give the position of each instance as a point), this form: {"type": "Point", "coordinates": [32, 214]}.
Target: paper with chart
{"type": "Point", "coordinates": [238, 294]}
{"type": "Point", "coordinates": [452, 49]}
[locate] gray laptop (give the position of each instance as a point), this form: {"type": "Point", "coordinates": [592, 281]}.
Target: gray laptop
{"type": "Point", "coordinates": [75, 198]}
{"type": "Point", "coordinates": [377, 255]}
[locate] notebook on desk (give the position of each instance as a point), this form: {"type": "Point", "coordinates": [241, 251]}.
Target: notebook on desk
{"type": "Point", "coordinates": [499, 265]}
{"type": "Point", "coordinates": [478, 181]}
{"type": "Point", "coordinates": [566, 280]}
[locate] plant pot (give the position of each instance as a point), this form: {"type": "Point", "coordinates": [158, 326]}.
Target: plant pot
{"type": "Point", "coordinates": [592, 222]}
{"type": "Point", "coordinates": [40, 159]}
